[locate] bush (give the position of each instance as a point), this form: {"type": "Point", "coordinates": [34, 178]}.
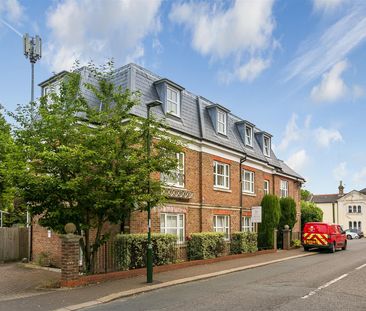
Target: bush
{"type": "Point", "coordinates": [310, 212]}
{"type": "Point", "coordinates": [271, 213]}
{"type": "Point", "coordinates": [288, 213]}
{"type": "Point", "coordinates": [205, 245]}
{"type": "Point", "coordinates": [243, 242]}
{"type": "Point", "coordinates": [296, 243]}
{"type": "Point", "coordinates": [130, 250]}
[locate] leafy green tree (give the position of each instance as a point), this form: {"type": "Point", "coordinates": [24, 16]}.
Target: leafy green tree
{"type": "Point", "coordinates": [305, 195]}
{"type": "Point", "coordinates": [288, 212]}
{"type": "Point", "coordinates": [271, 213]}
{"type": "Point", "coordinates": [310, 212]}
{"type": "Point", "coordinates": [89, 166]}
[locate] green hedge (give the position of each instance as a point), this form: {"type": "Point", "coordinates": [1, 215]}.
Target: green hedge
{"type": "Point", "coordinates": [205, 245]}
{"type": "Point", "coordinates": [243, 242]}
{"type": "Point", "coordinates": [130, 250]}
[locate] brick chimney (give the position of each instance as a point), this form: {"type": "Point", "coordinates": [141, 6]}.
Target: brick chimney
{"type": "Point", "coordinates": [340, 189]}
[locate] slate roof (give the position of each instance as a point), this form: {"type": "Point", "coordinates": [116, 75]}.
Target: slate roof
{"type": "Point", "coordinates": [363, 191]}
{"type": "Point", "coordinates": [194, 120]}
{"type": "Point", "coordinates": [325, 198]}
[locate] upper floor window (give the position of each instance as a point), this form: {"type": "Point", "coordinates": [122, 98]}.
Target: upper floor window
{"type": "Point", "coordinates": [354, 209]}
{"type": "Point", "coordinates": [221, 122]}
{"type": "Point", "coordinates": [266, 146]}
{"type": "Point", "coordinates": [221, 175]}
{"type": "Point", "coordinates": [173, 224]}
{"type": "Point", "coordinates": [284, 188]}
{"type": "Point", "coordinates": [349, 209]}
{"type": "Point", "coordinates": [359, 209]}
{"type": "Point", "coordinates": [248, 181]}
{"type": "Point", "coordinates": [173, 101]}
{"type": "Point", "coordinates": [266, 187]}
{"type": "Point", "coordinates": [248, 135]}
{"type": "Point", "coordinates": [176, 177]}
{"type": "Point", "coordinates": [221, 223]}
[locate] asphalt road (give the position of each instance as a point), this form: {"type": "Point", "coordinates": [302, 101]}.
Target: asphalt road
{"type": "Point", "coordinates": [322, 282]}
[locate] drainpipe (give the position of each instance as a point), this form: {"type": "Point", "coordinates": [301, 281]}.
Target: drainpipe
{"type": "Point", "coordinates": [242, 160]}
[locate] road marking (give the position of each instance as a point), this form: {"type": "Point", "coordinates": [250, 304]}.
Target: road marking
{"type": "Point", "coordinates": [324, 286]}
{"type": "Point", "coordinates": [360, 267]}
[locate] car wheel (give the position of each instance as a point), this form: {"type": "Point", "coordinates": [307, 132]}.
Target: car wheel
{"type": "Point", "coordinates": [344, 245]}
{"type": "Point", "coordinates": [306, 249]}
{"type": "Point", "coordinates": [332, 248]}
{"type": "Point", "coordinates": [349, 237]}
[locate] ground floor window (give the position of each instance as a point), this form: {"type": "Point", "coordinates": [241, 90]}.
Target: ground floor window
{"type": "Point", "coordinates": [173, 224]}
{"type": "Point", "coordinates": [247, 225]}
{"type": "Point", "coordinates": [221, 223]}
{"type": "Point", "coordinates": [355, 225]}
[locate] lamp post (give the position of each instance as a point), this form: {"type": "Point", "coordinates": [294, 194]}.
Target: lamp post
{"type": "Point", "coordinates": [1, 217]}
{"type": "Point", "coordinates": [149, 254]}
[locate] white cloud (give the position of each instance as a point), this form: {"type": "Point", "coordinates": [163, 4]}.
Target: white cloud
{"type": "Point", "coordinates": [324, 137]}
{"type": "Point", "coordinates": [321, 52]}
{"type": "Point", "coordinates": [359, 178]}
{"type": "Point", "coordinates": [331, 87]}
{"type": "Point", "coordinates": [340, 172]}
{"type": "Point", "coordinates": [327, 6]}
{"type": "Point", "coordinates": [243, 32]}
{"type": "Point", "coordinates": [82, 30]}
{"type": "Point", "coordinates": [292, 133]}
{"type": "Point", "coordinates": [298, 160]}
{"type": "Point", "coordinates": [11, 10]}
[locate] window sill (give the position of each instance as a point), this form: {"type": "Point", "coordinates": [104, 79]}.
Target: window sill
{"type": "Point", "coordinates": [249, 194]}
{"type": "Point", "coordinates": [222, 189]}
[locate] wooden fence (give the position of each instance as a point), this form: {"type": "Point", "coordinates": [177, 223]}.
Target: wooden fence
{"type": "Point", "coordinates": [13, 244]}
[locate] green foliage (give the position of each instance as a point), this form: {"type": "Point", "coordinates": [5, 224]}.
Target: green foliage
{"type": "Point", "coordinates": [205, 245]}
{"type": "Point", "coordinates": [130, 250]}
{"type": "Point", "coordinates": [305, 195]}
{"type": "Point", "coordinates": [243, 242]}
{"type": "Point", "coordinates": [89, 165]}
{"type": "Point", "coordinates": [310, 212]}
{"type": "Point", "coordinates": [288, 213]}
{"type": "Point", "coordinates": [296, 243]}
{"type": "Point", "coordinates": [271, 213]}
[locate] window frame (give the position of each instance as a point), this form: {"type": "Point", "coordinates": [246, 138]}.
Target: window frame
{"type": "Point", "coordinates": [250, 142]}
{"type": "Point", "coordinates": [349, 209]}
{"type": "Point", "coordinates": [170, 102]}
{"type": "Point", "coordinates": [165, 228]}
{"type": "Point", "coordinates": [359, 209]}
{"type": "Point", "coordinates": [283, 191]}
{"type": "Point", "coordinates": [222, 122]}
{"type": "Point", "coordinates": [250, 182]}
{"type": "Point", "coordinates": [266, 190]}
{"type": "Point", "coordinates": [178, 171]}
{"type": "Point", "coordinates": [268, 153]}
{"type": "Point", "coordinates": [225, 228]}
{"type": "Point", "coordinates": [247, 227]}
{"type": "Point", "coordinates": [226, 178]}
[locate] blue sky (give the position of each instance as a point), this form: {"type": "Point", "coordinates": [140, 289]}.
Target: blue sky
{"type": "Point", "coordinates": [295, 69]}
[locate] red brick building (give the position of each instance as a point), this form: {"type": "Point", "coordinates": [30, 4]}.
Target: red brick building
{"type": "Point", "coordinates": [226, 168]}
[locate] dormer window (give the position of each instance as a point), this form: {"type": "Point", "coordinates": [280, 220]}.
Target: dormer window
{"type": "Point", "coordinates": [221, 122]}
{"type": "Point", "coordinates": [266, 146]}
{"type": "Point", "coordinates": [249, 136]}
{"type": "Point", "coordinates": [173, 101]}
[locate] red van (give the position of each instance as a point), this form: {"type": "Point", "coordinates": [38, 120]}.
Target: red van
{"type": "Point", "coordinates": [323, 235]}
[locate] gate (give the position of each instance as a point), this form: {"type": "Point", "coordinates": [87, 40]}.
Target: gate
{"type": "Point", "coordinates": [13, 244]}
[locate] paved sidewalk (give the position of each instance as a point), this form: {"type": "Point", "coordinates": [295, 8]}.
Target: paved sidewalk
{"type": "Point", "coordinates": [64, 298]}
{"type": "Point", "coordinates": [17, 281]}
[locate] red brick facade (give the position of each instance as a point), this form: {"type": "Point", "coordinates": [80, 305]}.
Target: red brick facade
{"type": "Point", "coordinates": [208, 201]}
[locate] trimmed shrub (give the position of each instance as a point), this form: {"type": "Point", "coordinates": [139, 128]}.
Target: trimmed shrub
{"type": "Point", "coordinates": [205, 245]}
{"type": "Point", "coordinates": [130, 250]}
{"type": "Point", "coordinates": [288, 213]}
{"type": "Point", "coordinates": [310, 212]}
{"type": "Point", "coordinates": [243, 242]}
{"type": "Point", "coordinates": [271, 213]}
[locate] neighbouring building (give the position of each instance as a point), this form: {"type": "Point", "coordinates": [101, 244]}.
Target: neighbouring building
{"type": "Point", "coordinates": [206, 188]}
{"type": "Point", "coordinates": [345, 209]}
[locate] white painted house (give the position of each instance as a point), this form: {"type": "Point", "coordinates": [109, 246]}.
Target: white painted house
{"type": "Point", "coordinates": [345, 209]}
